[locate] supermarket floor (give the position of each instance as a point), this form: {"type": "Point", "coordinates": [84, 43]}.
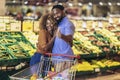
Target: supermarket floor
{"type": "Point", "coordinates": [106, 76]}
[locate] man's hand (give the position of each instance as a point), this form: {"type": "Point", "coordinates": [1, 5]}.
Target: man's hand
{"type": "Point", "coordinates": [58, 33]}
{"type": "Point", "coordinates": [67, 38]}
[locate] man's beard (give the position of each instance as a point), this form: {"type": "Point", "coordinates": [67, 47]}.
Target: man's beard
{"type": "Point", "coordinates": [58, 21]}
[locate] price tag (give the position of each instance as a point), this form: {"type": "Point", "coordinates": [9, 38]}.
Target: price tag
{"type": "Point", "coordinates": [27, 26]}
{"type": "Point", "coordinates": [36, 26]}
{"type": "Point", "coordinates": [119, 20]}
{"type": "Point", "coordinates": [1, 20]}
{"type": "Point", "coordinates": [84, 25]}
{"type": "Point", "coordinates": [2, 27]}
{"type": "Point", "coordinates": [6, 20]}
{"type": "Point", "coordinates": [110, 20]}
{"type": "Point", "coordinates": [100, 24]}
{"type": "Point", "coordinates": [16, 26]}
{"type": "Point", "coordinates": [97, 69]}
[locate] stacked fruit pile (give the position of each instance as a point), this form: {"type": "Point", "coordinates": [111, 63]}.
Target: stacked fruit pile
{"type": "Point", "coordinates": [95, 64]}
{"type": "Point", "coordinates": [14, 46]}
{"type": "Point", "coordinates": [31, 36]}
{"type": "Point", "coordinates": [110, 36]}
{"type": "Point", "coordinates": [85, 45]}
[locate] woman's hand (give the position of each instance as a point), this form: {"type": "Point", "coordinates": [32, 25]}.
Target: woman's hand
{"type": "Point", "coordinates": [58, 33]}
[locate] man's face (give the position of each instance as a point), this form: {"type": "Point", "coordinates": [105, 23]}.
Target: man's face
{"type": "Point", "coordinates": [57, 14]}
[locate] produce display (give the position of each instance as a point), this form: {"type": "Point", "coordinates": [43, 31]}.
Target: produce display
{"type": "Point", "coordinates": [85, 45]}
{"type": "Point", "coordinates": [95, 64]}
{"type": "Point", "coordinates": [14, 47]}
{"type": "Point", "coordinates": [31, 36]}
{"type": "Point", "coordinates": [90, 43]}
{"type": "Point", "coordinates": [102, 41]}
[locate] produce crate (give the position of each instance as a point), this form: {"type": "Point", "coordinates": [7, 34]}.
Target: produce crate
{"type": "Point", "coordinates": [5, 55]}
{"type": "Point", "coordinates": [9, 62]}
{"type": "Point", "coordinates": [76, 42]}
{"type": "Point", "coordinates": [78, 73]}
{"type": "Point", "coordinates": [100, 69]}
{"type": "Point", "coordinates": [17, 51]}
{"type": "Point", "coordinates": [16, 34]}
{"type": "Point", "coordinates": [14, 39]}
{"type": "Point", "coordinates": [88, 56]}
{"type": "Point", "coordinates": [7, 40]}
{"type": "Point", "coordinates": [5, 34]}
{"type": "Point", "coordinates": [114, 67]}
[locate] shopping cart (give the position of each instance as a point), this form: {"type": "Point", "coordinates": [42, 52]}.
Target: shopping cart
{"type": "Point", "coordinates": [50, 68]}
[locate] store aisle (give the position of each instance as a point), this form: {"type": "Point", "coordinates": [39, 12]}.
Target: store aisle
{"type": "Point", "coordinates": [107, 77]}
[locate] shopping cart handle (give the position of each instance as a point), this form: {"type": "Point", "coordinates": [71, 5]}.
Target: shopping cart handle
{"type": "Point", "coordinates": [64, 55]}
{"type": "Point", "coordinates": [78, 56]}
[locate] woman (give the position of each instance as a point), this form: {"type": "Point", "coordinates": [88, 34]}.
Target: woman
{"type": "Point", "coordinates": [48, 27]}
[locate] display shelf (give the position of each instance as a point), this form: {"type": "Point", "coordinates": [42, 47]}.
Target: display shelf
{"type": "Point", "coordinates": [100, 69]}
{"type": "Point", "coordinates": [7, 40]}
{"type": "Point", "coordinates": [11, 46]}
{"type": "Point", "coordinates": [17, 51]}
{"type": "Point", "coordinates": [11, 62]}
{"type": "Point", "coordinates": [114, 67]}
{"type": "Point", "coordinates": [5, 56]}
{"type": "Point", "coordinates": [88, 56]}
{"type": "Point", "coordinates": [5, 34]}
{"type": "Point", "coordinates": [16, 34]}
{"type": "Point", "coordinates": [78, 73]}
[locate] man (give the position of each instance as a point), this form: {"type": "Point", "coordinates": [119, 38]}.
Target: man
{"type": "Point", "coordinates": [63, 40]}
{"type": "Point", "coordinates": [64, 37]}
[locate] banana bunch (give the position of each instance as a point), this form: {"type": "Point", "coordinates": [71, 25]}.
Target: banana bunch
{"type": "Point", "coordinates": [86, 44]}
{"type": "Point", "coordinates": [76, 52]}
{"type": "Point", "coordinates": [15, 34]}
{"type": "Point", "coordinates": [5, 56]}
{"type": "Point", "coordinates": [31, 36]}
{"type": "Point", "coordinates": [7, 41]}
{"type": "Point", "coordinates": [114, 41]}
{"type": "Point", "coordinates": [84, 66]}
{"type": "Point", "coordinates": [89, 46]}
{"type": "Point", "coordinates": [111, 63]}
{"type": "Point", "coordinates": [111, 36]}
{"type": "Point", "coordinates": [98, 63]}
{"type": "Point", "coordinates": [79, 37]}
{"type": "Point", "coordinates": [105, 32]}
{"type": "Point", "coordinates": [27, 47]}
{"type": "Point", "coordinates": [2, 48]}
{"type": "Point", "coordinates": [14, 47]}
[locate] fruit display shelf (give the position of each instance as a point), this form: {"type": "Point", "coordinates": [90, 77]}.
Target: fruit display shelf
{"type": "Point", "coordinates": [14, 48]}
{"type": "Point", "coordinates": [87, 45]}
{"type": "Point", "coordinates": [96, 66]}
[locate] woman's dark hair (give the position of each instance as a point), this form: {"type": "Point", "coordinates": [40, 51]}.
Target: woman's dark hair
{"type": "Point", "coordinates": [44, 19]}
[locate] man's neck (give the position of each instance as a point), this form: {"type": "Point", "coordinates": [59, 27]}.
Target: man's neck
{"type": "Point", "coordinates": [60, 20]}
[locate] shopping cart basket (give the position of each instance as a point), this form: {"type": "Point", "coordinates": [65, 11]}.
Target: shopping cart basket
{"type": "Point", "coordinates": [50, 68]}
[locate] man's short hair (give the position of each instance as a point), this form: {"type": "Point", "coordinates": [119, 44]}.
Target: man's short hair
{"type": "Point", "coordinates": [58, 6]}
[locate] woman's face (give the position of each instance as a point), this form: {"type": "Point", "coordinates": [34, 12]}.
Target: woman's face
{"type": "Point", "coordinates": [49, 25]}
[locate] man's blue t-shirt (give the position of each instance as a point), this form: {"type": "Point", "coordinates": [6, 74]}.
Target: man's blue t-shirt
{"type": "Point", "coordinates": [60, 46]}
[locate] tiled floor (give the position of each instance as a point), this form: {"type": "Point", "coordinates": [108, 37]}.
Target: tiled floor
{"type": "Point", "coordinates": [108, 76]}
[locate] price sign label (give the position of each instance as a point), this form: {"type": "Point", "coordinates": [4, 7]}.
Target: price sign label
{"type": "Point", "coordinates": [16, 26]}
{"type": "Point", "coordinates": [84, 25]}
{"type": "Point", "coordinates": [36, 26]}
{"type": "Point", "coordinates": [27, 26]}
{"type": "Point", "coordinates": [97, 69]}
{"type": "Point", "coordinates": [100, 24]}
{"type": "Point", "coordinates": [1, 20]}
{"type": "Point", "coordinates": [2, 26]}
